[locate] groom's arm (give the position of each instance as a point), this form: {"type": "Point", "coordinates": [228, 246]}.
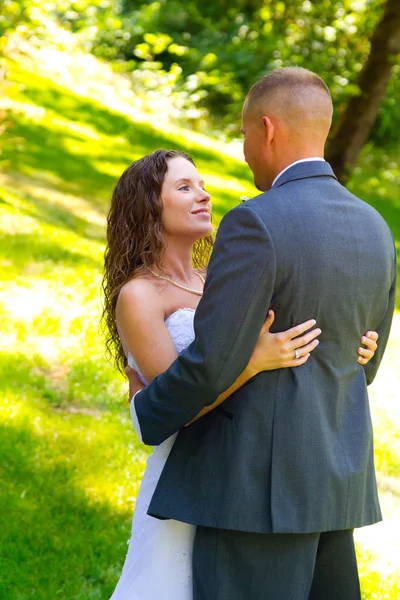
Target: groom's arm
{"type": "Point", "coordinates": [228, 320]}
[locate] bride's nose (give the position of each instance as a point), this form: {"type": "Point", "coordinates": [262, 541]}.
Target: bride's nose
{"type": "Point", "coordinates": [204, 196]}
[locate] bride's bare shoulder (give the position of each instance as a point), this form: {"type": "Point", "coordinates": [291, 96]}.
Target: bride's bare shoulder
{"type": "Point", "coordinates": [140, 292]}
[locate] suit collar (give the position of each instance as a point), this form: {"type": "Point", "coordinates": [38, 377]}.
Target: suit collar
{"type": "Point", "coordinates": [304, 170]}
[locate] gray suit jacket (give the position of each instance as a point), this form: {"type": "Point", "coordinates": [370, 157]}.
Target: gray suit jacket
{"type": "Point", "coordinates": [292, 450]}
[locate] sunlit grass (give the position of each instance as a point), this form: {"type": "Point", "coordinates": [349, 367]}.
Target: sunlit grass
{"type": "Point", "coordinates": [70, 462]}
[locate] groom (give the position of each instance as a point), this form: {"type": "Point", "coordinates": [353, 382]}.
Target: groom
{"type": "Point", "coordinates": [278, 476]}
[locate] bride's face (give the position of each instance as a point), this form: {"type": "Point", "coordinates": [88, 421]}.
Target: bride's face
{"type": "Point", "coordinates": [186, 205]}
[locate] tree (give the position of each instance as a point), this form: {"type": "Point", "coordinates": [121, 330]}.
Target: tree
{"type": "Point", "coordinates": [360, 114]}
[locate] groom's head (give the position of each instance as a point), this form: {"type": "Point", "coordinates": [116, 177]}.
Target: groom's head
{"type": "Point", "coordinates": [286, 117]}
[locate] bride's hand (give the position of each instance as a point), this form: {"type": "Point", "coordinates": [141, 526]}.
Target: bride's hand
{"type": "Point", "coordinates": [369, 340]}
{"type": "Point", "coordinates": [277, 350]}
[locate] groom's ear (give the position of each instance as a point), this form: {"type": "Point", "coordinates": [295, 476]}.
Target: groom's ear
{"type": "Point", "coordinates": [269, 130]}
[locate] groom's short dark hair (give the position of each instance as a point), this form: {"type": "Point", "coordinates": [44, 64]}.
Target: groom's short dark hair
{"type": "Point", "coordinates": [286, 77]}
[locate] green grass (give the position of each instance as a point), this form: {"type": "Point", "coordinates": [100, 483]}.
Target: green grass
{"type": "Point", "coordinates": [70, 463]}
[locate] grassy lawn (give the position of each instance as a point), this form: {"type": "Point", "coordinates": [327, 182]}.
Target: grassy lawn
{"type": "Point", "coordinates": [70, 463]}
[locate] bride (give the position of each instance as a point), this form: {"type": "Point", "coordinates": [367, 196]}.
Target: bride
{"type": "Point", "coordinates": [158, 245]}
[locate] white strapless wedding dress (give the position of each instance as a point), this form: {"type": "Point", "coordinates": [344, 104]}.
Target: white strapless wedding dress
{"type": "Point", "coordinates": [158, 565]}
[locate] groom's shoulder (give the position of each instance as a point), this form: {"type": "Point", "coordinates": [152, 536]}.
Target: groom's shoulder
{"type": "Point", "coordinates": [257, 211]}
{"type": "Point", "coordinates": [252, 207]}
{"type": "Point", "coordinates": [264, 203]}
{"type": "Point", "coordinates": [369, 213]}
{"type": "Point", "coordinates": [280, 199]}
{"type": "Point", "coordinates": [260, 199]}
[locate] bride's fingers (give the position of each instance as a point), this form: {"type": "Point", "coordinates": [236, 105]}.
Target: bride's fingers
{"type": "Point", "coordinates": [307, 349]}
{"type": "Point", "coordinates": [268, 322]}
{"type": "Point", "coordinates": [369, 343]}
{"type": "Point", "coordinates": [373, 335]}
{"type": "Point", "coordinates": [303, 354]}
{"type": "Point", "coordinates": [297, 362]}
{"type": "Point", "coordinates": [304, 340]}
{"type": "Point", "coordinates": [365, 353]}
{"type": "Point", "coordinates": [296, 331]}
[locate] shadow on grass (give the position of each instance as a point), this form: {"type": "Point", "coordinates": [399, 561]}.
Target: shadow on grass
{"type": "Point", "coordinates": [87, 385]}
{"type": "Point", "coordinates": [53, 214]}
{"type": "Point", "coordinates": [45, 93]}
{"type": "Point", "coordinates": [45, 150]}
{"type": "Point", "coordinates": [74, 161]}
{"type": "Point", "coordinates": [23, 248]}
{"type": "Point", "coordinates": [55, 543]}
{"type": "Point", "coordinates": [143, 137]}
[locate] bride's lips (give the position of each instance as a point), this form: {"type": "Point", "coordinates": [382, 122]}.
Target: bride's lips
{"type": "Point", "coordinates": [202, 212]}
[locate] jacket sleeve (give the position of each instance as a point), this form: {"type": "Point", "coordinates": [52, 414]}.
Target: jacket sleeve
{"type": "Point", "coordinates": [228, 320]}
{"type": "Point", "coordinates": [383, 329]}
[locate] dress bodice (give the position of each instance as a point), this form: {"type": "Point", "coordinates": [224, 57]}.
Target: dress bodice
{"type": "Point", "coordinates": [180, 328]}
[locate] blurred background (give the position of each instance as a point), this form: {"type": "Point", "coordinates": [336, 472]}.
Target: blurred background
{"type": "Point", "coordinates": [86, 88]}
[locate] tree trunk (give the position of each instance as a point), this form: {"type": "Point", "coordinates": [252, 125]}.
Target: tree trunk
{"type": "Point", "coordinates": [360, 113]}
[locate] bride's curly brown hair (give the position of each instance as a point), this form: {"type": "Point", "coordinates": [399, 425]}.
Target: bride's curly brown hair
{"type": "Point", "coordinates": [135, 237]}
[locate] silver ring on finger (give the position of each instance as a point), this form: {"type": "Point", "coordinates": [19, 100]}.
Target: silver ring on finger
{"type": "Point", "coordinates": [296, 354]}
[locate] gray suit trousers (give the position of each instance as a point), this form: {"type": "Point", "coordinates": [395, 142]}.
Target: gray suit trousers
{"type": "Point", "coordinates": [236, 565]}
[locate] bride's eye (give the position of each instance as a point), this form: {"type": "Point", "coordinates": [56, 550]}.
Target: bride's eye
{"type": "Point", "coordinates": [184, 187]}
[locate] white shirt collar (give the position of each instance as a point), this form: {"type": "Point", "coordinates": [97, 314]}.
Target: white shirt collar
{"type": "Point", "coordinates": [296, 163]}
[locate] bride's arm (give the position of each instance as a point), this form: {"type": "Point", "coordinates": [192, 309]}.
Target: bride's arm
{"type": "Point", "coordinates": [140, 322]}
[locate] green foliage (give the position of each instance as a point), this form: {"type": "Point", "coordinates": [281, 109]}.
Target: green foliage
{"type": "Point", "coordinates": [13, 15]}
